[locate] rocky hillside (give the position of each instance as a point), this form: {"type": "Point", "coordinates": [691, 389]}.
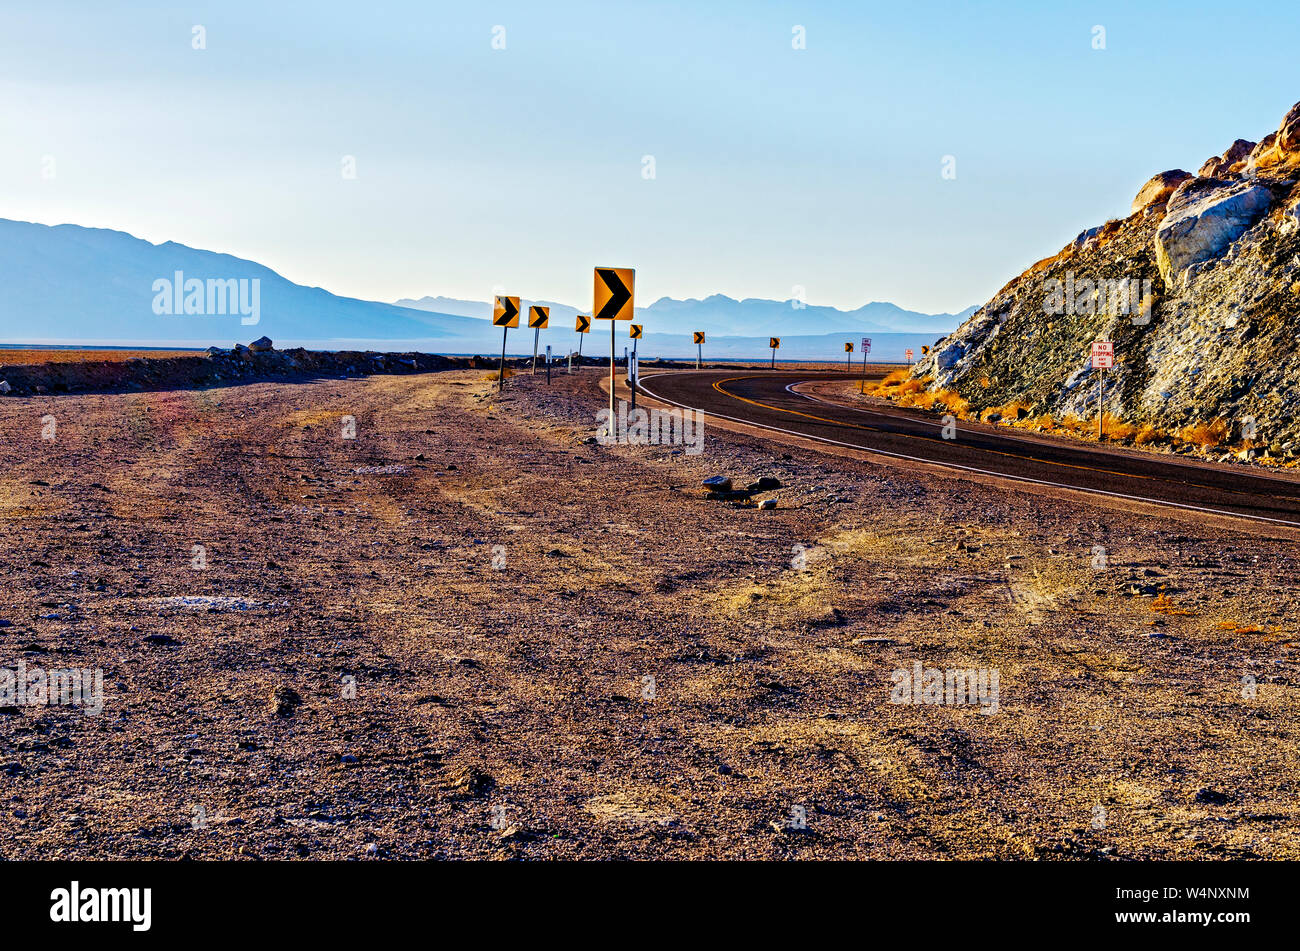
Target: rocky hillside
{"type": "Point", "coordinates": [1198, 288]}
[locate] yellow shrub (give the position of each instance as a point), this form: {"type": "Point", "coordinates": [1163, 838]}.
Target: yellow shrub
{"type": "Point", "coordinates": [1205, 434]}
{"type": "Point", "coordinates": [1147, 434]}
{"type": "Point", "coordinates": [1116, 428]}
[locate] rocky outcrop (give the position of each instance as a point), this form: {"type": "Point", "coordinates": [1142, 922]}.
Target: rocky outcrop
{"type": "Point", "coordinates": [1203, 217]}
{"type": "Point", "coordinates": [1288, 133]}
{"type": "Point", "coordinates": [1158, 189]}
{"type": "Point", "coordinates": [1223, 164]}
{"type": "Point", "coordinates": [1198, 288]}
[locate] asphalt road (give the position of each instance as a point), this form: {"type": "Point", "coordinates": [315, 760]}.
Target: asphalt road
{"type": "Point", "coordinates": [764, 398]}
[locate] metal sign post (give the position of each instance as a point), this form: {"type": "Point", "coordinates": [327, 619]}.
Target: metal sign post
{"type": "Point", "coordinates": [548, 364]}
{"type": "Point", "coordinates": [1103, 358]}
{"type": "Point", "coordinates": [631, 371]}
{"type": "Point", "coordinates": [612, 300]}
{"type": "Point", "coordinates": [866, 348]}
{"type": "Point", "coordinates": [501, 371]}
{"type": "Point", "coordinates": [505, 314]}
{"type": "Point", "coordinates": [537, 319]}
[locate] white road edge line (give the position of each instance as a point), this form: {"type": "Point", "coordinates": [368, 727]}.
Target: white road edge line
{"type": "Point", "coordinates": [953, 465]}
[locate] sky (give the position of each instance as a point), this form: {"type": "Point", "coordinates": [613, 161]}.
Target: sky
{"type": "Point", "coordinates": [479, 168]}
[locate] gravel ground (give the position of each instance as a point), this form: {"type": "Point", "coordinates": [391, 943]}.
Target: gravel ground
{"type": "Point", "coordinates": [472, 631]}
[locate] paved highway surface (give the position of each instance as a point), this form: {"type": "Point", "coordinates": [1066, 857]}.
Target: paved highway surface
{"type": "Point", "coordinates": [765, 398]}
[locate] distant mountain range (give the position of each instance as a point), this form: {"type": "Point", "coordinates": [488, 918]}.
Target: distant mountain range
{"type": "Point", "coordinates": [67, 284]}
{"type": "Point", "coordinates": [720, 315]}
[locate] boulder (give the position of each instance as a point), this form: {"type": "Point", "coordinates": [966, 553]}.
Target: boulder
{"type": "Point", "coordinates": [1266, 153]}
{"type": "Point", "coordinates": [717, 484]}
{"type": "Point", "coordinates": [1203, 217]}
{"type": "Point", "coordinates": [1086, 239]}
{"type": "Point", "coordinates": [1217, 165]}
{"type": "Point", "coordinates": [1238, 151]}
{"type": "Point", "coordinates": [950, 356]}
{"type": "Point", "coordinates": [1158, 189]}
{"type": "Point", "coordinates": [5, 388]}
{"type": "Point", "coordinates": [261, 345]}
{"type": "Point", "coordinates": [1212, 168]}
{"type": "Point", "coordinates": [1288, 133]}
{"type": "Point", "coordinates": [1290, 220]}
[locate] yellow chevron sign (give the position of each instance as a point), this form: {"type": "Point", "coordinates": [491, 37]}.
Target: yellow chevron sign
{"type": "Point", "coordinates": [612, 293]}
{"type": "Point", "coordinates": [538, 316]}
{"type": "Point", "coordinates": [584, 324]}
{"type": "Point", "coordinates": [774, 342]}
{"type": "Point", "coordinates": [634, 331]}
{"type": "Point", "coordinates": [848, 348]}
{"type": "Point", "coordinates": [505, 312]}
{"type": "Point", "coordinates": [699, 336]}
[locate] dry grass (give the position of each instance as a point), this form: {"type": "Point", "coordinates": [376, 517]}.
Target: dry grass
{"type": "Point", "coordinates": [1164, 605]}
{"type": "Point", "coordinates": [901, 388]}
{"type": "Point", "coordinates": [1148, 434]}
{"type": "Point", "coordinates": [1013, 413]}
{"type": "Point", "coordinates": [1205, 435]}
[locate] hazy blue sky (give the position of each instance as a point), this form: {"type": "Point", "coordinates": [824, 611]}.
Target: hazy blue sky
{"type": "Point", "coordinates": [523, 167]}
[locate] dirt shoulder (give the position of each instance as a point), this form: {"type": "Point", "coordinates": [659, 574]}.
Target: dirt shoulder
{"type": "Point", "coordinates": [474, 631]}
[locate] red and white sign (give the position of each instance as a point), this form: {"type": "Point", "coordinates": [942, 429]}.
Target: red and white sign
{"type": "Point", "coordinates": [1103, 355]}
{"type": "Point", "coordinates": [909, 356]}
{"type": "Point", "coordinates": [866, 344]}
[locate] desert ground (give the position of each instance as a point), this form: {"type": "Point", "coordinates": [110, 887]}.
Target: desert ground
{"type": "Point", "coordinates": [16, 357]}
{"type": "Point", "coordinates": [472, 631]}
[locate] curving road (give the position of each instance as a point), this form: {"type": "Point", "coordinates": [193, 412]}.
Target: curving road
{"type": "Point", "coordinates": [767, 400]}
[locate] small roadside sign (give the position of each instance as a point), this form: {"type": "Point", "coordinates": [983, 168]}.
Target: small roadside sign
{"type": "Point", "coordinates": [699, 336]}
{"type": "Point", "coordinates": [505, 312]}
{"type": "Point", "coordinates": [866, 344]}
{"type": "Point", "coordinates": [699, 349]}
{"type": "Point", "coordinates": [634, 331]}
{"type": "Point", "coordinates": [848, 348]}
{"type": "Point", "coordinates": [612, 293]}
{"type": "Point", "coordinates": [583, 325]}
{"type": "Point", "coordinates": [775, 344]}
{"type": "Point", "coordinates": [1103, 358]}
{"type": "Point", "coordinates": [909, 354]}
{"type": "Point", "coordinates": [612, 300]}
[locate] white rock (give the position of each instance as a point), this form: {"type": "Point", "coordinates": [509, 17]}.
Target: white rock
{"type": "Point", "coordinates": [1201, 222]}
